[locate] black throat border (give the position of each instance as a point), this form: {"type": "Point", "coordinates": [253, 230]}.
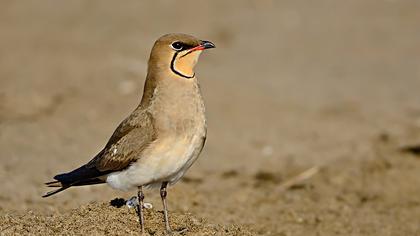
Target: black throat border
{"type": "Point", "coordinates": [177, 72]}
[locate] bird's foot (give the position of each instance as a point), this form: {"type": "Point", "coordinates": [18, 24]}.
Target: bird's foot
{"type": "Point", "coordinates": [134, 202]}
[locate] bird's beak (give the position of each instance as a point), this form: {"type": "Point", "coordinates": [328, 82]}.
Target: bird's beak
{"type": "Point", "coordinates": [207, 44]}
{"type": "Point", "coordinates": [203, 45]}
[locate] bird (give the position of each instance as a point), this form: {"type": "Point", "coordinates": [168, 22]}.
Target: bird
{"type": "Point", "coordinates": [164, 135]}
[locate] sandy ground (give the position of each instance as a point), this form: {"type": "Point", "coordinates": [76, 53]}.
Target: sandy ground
{"type": "Point", "coordinates": [326, 86]}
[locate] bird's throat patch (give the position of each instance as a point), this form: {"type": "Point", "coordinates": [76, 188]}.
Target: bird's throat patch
{"type": "Point", "coordinates": [183, 63]}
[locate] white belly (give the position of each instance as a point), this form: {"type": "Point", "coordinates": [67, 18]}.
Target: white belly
{"type": "Point", "coordinates": [164, 161]}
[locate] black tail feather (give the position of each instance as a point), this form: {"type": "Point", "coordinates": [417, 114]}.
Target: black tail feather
{"type": "Point", "coordinates": [89, 182]}
{"type": "Point", "coordinates": [81, 176]}
{"type": "Point", "coordinates": [54, 184]}
{"type": "Point", "coordinates": [56, 191]}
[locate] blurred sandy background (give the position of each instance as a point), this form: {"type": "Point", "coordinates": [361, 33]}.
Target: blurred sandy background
{"type": "Point", "coordinates": [291, 85]}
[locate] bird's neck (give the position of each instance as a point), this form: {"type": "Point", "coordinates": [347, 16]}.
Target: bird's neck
{"type": "Point", "coordinates": [169, 85]}
{"type": "Point", "coordinates": [174, 102]}
{"type": "Point", "coordinates": [171, 91]}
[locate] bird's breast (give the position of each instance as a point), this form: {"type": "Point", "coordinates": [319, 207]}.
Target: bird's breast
{"type": "Point", "coordinates": [178, 112]}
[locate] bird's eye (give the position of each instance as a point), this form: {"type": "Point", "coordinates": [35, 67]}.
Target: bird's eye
{"type": "Point", "coordinates": [177, 46]}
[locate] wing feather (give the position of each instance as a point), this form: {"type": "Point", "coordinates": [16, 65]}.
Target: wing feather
{"type": "Point", "coordinates": [127, 142]}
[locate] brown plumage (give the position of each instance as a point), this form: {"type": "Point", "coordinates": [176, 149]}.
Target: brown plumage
{"type": "Point", "coordinates": [163, 136]}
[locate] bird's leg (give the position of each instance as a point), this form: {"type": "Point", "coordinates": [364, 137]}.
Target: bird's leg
{"type": "Point", "coordinates": [140, 197]}
{"type": "Point", "coordinates": [163, 194]}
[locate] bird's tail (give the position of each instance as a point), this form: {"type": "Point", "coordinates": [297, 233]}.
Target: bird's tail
{"type": "Point", "coordinates": [78, 177]}
{"type": "Point", "coordinates": [55, 184]}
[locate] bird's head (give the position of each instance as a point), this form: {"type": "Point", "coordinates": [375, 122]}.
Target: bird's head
{"type": "Point", "coordinates": [177, 54]}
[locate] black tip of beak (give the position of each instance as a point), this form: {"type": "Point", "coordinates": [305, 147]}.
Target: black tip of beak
{"type": "Point", "coordinates": [207, 44]}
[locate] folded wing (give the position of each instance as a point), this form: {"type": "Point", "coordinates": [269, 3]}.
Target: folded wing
{"type": "Point", "coordinates": [124, 147]}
